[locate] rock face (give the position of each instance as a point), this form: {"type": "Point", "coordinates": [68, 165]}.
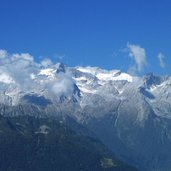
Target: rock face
{"type": "Point", "coordinates": [131, 115]}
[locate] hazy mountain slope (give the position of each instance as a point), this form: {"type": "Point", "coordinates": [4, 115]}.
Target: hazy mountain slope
{"type": "Point", "coordinates": [27, 143]}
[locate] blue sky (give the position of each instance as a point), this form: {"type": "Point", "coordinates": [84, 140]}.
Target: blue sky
{"type": "Point", "coordinates": [90, 32]}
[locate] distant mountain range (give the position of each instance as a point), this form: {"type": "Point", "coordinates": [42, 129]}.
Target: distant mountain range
{"type": "Point", "coordinates": [129, 114]}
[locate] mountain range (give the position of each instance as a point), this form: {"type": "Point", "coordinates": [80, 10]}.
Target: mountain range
{"type": "Point", "coordinates": [129, 114]}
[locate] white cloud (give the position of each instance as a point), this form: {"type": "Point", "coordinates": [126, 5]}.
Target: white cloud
{"type": "Point", "coordinates": [64, 86]}
{"type": "Point", "coordinates": [132, 70]}
{"type": "Point", "coordinates": [23, 56]}
{"type": "Point", "coordinates": [21, 71]}
{"type": "Point", "coordinates": [46, 62]}
{"type": "Point", "coordinates": [161, 60]}
{"type": "Point", "coordinates": [138, 54]}
{"type": "Point", "coordinates": [5, 77]}
{"type": "Point", "coordinates": [3, 53]}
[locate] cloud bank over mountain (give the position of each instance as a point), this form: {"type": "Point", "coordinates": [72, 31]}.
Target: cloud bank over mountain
{"type": "Point", "coordinates": [22, 71]}
{"type": "Point", "coordinates": [25, 74]}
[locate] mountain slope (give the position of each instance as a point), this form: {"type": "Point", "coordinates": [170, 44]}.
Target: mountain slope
{"type": "Point", "coordinates": [27, 143]}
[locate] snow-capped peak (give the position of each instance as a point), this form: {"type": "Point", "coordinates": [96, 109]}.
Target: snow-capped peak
{"type": "Point", "coordinates": [105, 75]}
{"type": "Point", "coordinates": [23, 76]}
{"type": "Point", "coordinates": [114, 76]}
{"type": "Point", "coordinates": [47, 72]}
